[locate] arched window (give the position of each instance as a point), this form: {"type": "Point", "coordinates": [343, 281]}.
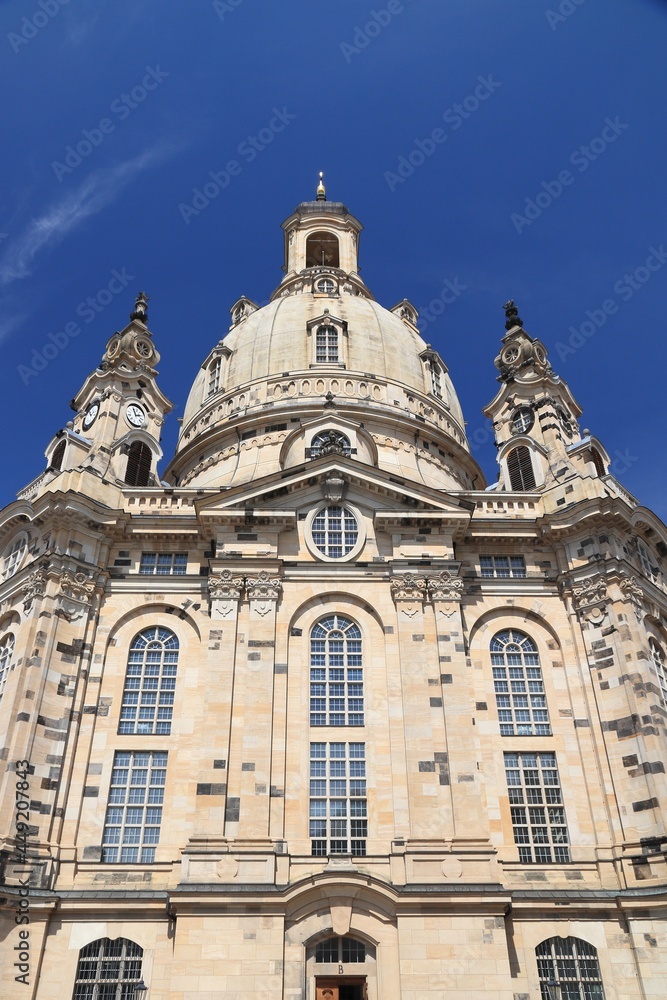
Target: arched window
{"type": "Point", "coordinates": [658, 656]}
{"type": "Point", "coordinates": [336, 675]}
{"type": "Point", "coordinates": [139, 459]}
{"type": "Point", "coordinates": [214, 373]}
{"type": "Point", "coordinates": [150, 682]}
{"type": "Point", "coordinates": [340, 949]}
{"type": "Point", "coordinates": [14, 555]}
{"type": "Point", "coordinates": [322, 250]}
{"type": "Point", "coordinates": [6, 654]}
{"type": "Point", "coordinates": [436, 382]}
{"type": "Point", "coordinates": [326, 344]}
{"type": "Point", "coordinates": [57, 456]}
{"type": "Point", "coordinates": [520, 468]}
{"type": "Point", "coordinates": [326, 286]}
{"type": "Point", "coordinates": [329, 443]}
{"type": "Point", "coordinates": [108, 970]}
{"type": "Point", "coordinates": [573, 965]}
{"type": "Point", "coordinates": [645, 561]}
{"type": "Point", "coordinates": [597, 462]}
{"type": "Point", "coordinates": [517, 681]}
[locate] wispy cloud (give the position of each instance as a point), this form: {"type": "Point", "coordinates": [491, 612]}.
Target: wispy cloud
{"type": "Point", "coordinates": [97, 191]}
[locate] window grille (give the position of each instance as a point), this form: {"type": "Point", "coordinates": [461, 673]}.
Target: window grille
{"type": "Point", "coordinates": [520, 468]}
{"type": "Point", "coordinates": [340, 949]}
{"type": "Point", "coordinates": [338, 805]}
{"type": "Point", "coordinates": [573, 964]}
{"type": "Point", "coordinates": [518, 684]}
{"type": "Point", "coordinates": [150, 682]}
{"type": "Point", "coordinates": [336, 674]}
{"type": "Point", "coordinates": [536, 806]}
{"type": "Point", "coordinates": [108, 970]}
{"type": "Point", "coordinates": [134, 813]}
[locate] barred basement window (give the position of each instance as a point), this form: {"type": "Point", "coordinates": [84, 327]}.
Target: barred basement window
{"type": "Point", "coordinates": [108, 970]}
{"type": "Point", "coordinates": [335, 531]}
{"type": "Point", "coordinates": [658, 656]}
{"type": "Point", "coordinates": [502, 567]}
{"type": "Point", "coordinates": [326, 344]}
{"type": "Point", "coordinates": [6, 654]}
{"type": "Point", "coordinates": [520, 468]}
{"type": "Point", "coordinates": [163, 563]}
{"type": "Point", "coordinates": [338, 805]}
{"type": "Point", "coordinates": [134, 814]}
{"type": "Point", "coordinates": [336, 950]}
{"type": "Point", "coordinates": [336, 675]}
{"type": "Point", "coordinates": [517, 681]}
{"type": "Point", "coordinates": [573, 964]}
{"type": "Point", "coordinates": [150, 682]}
{"type": "Point", "coordinates": [536, 806]}
{"type": "Point", "coordinates": [139, 459]}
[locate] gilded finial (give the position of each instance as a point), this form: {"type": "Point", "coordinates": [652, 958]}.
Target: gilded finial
{"type": "Point", "coordinates": [321, 190]}
{"type": "Point", "coordinates": [140, 310]}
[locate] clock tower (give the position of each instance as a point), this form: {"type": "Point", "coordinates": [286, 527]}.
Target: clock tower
{"type": "Point", "coordinates": [119, 411]}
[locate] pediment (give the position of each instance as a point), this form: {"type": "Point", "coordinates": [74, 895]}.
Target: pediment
{"type": "Point", "coordinates": [283, 495]}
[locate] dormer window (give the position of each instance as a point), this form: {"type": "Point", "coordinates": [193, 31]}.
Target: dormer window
{"type": "Point", "coordinates": [322, 250]}
{"type": "Point", "coordinates": [330, 443]}
{"type": "Point", "coordinates": [238, 314]}
{"type": "Point", "coordinates": [326, 344]}
{"type": "Point", "coordinates": [436, 384]}
{"type": "Point", "coordinates": [214, 372]}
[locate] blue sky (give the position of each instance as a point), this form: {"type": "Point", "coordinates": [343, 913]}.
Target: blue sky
{"type": "Point", "coordinates": [165, 93]}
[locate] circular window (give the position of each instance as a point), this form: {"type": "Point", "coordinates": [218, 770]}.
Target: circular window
{"type": "Point", "coordinates": [522, 420]}
{"type": "Point", "coordinates": [334, 531]}
{"type": "Point", "coordinates": [326, 286]}
{"type": "Point", "coordinates": [144, 348]}
{"type": "Point", "coordinates": [14, 555]}
{"type": "Point", "coordinates": [510, 355]}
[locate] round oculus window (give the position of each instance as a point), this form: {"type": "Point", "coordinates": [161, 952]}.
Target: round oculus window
{"type": "Point", "coordinates": [522, 420]}
{"type": "Point", "coordinates": [334, 532]}
{"type": "Point", "coordinates": [326, 285]}
{"type": "Point", "coordinates": [510, 355]}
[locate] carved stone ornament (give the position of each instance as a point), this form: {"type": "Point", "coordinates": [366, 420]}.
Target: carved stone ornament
{"type": "Point", "coordinates": [633, 593]}
{"type": "Point", "coordinates": [224, 593]}
{"type": "Point", "coordinates": [35, 587]}
{"type": "Point", "coordinates": [590, 598]}
{"type": "Point", "coordinates": [263, 591]}
{"type": "Point", "coordinates": [447, 591]}
{"type": "Point", "coordinates": [408, 587]}
{"type": "Point", "coordinates": [76, 595]}
{"type": "Point", "coordinates": [333, 487]}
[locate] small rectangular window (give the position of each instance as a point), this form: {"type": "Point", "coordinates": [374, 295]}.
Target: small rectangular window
{"type": "Point", "coordinates": [163, 564]}
{"type": "Point", "coordinates": [502, 567]}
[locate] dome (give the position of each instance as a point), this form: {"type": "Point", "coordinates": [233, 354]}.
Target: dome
{"type": "Point", "coordinates": [322, 356]}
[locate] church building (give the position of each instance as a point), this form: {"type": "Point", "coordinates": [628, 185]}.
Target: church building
{"type": "Point", "coordinates": [313, 712]}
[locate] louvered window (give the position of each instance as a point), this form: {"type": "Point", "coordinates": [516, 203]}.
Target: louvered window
{"type": "Point", "coordinates": [57, 457]}
{"type": "Point", "coordinates": [520, 468]}
{"type": "Point", "coordinates": [139, 459]}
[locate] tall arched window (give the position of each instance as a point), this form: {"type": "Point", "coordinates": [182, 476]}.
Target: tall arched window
{"type": "Point", "coordinates": [658, 656]}
{"type": "Point", "coordinates": [520, 469]}
{"type": "Point", "coordinates": [14, 555]}
{"type": "Point", "coordinates": [326, 344]}
{"type": "Point", "coordinates": [108, 970]}
{"type": "Point", "coordinates": [322, 250]}
{"type": "Point", "coordinates": [517, 681]}
{"type": "Point", "coordinates": [573, 965]}
{"type": "Point", "coordinates": [336, 675]}
{"type": "Point", "coordinates": [139, 459]}
{"type": "Point", "coordinates": [6, 655]}
{"type": "Point", "coordinates": [57, 456]}
{"type": "Point", "coordinates": [150, 682]}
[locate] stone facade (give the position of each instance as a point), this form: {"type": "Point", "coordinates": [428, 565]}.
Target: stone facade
{"type": "Point", "coordinates": [319, 716]}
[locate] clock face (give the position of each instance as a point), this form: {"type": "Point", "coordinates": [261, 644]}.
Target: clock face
{"type": "Point", "coordinates": [91, 414]}
{"type": "Point", "coordinates": [135, 415]}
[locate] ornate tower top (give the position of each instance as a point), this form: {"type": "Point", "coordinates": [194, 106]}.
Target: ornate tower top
{"type": "Point", "coordinates": [321, 190]}
{"type": "Point", "coordinates": [133, 347]}
{"type": "Point", "coordinates": [521, 357]}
